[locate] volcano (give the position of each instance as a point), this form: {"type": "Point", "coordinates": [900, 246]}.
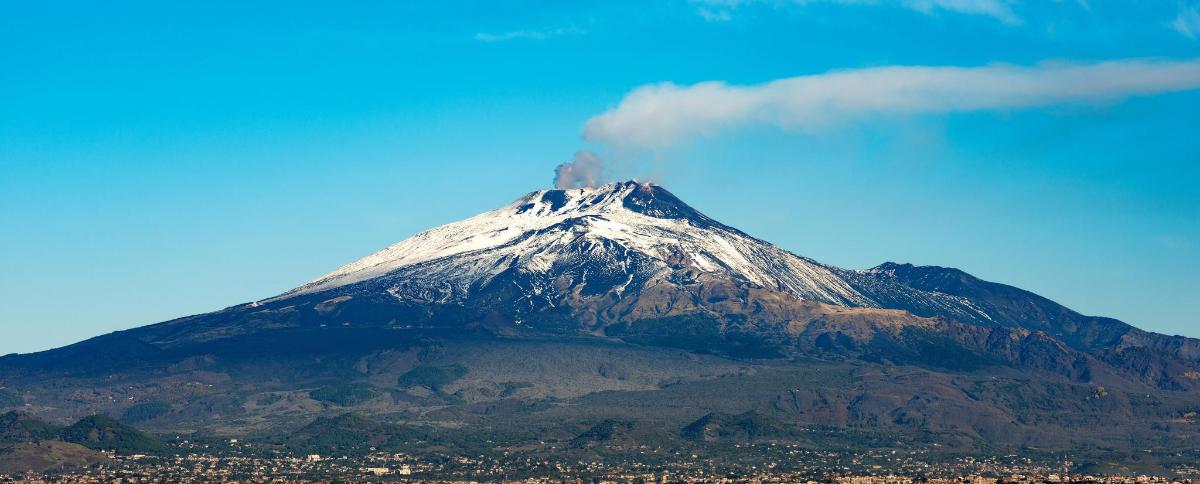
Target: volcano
{"type": "Point", "coordinates": [568, 307]}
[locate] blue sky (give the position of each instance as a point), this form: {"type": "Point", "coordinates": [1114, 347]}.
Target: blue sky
{"type": "Point", "coordinates": [161, 159]}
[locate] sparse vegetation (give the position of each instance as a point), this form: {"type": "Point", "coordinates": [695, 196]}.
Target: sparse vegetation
{"type": "Point", "coordinates": [508, 388]}
{"type": "Point", "coordinates": [9, 398]}
{"type": "Point", "coordinates": [345, 395]}
{"type": "Point", "coordinates": [432, 377]}
{"type": "Point", "coordinates": [722, 427]}
{"type": "Point", "coordinates": [101, 432]}
{"type": "Point", "coordinates": [349, 433]}
{"type": "Point", "coordinates": [18, 427]}
{"type": "Point", "coordinates": [268, 400]}
{"type": "Point", "coordinates": [145, 411]}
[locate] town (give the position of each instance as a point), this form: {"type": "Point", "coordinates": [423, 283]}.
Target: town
{"type": "Point", "coordinates": [236, 462]}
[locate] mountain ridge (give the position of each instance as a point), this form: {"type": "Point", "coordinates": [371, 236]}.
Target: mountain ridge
{"type": "Point", "coordinates": [541, 305]}
{"type": "Point", "coordinates": [574, 254]}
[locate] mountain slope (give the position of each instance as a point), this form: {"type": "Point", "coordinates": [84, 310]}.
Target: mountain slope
{"type": "Point", "coordinates": [999, 304]}
{"type": "Point", "coordinates": [1168, 361]}
{"type": "Point", "coordinates": [623, 293]}
{"type": "Point", "coordinates": [615, 237]}
{"type": "Point", "coordinates": [602, 251]}
{"type": "Point", "coordinates": [102, 432]}
{"type": "Point", "coordinates": [632, 262]}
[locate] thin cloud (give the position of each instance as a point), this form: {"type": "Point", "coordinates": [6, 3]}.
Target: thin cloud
{"type": "Point", "coordinates": [660, 115]}
{"type": "Point", "coordinates": [720, 10]}
{"type": "Point", "coordinates": [714, 14]}
{"type": "Point", "coordinates": [1188, 22]}
{"type": "Point", "coordinates": [528, 34]}
{"type": "Point", "coordinates": [998, 9]}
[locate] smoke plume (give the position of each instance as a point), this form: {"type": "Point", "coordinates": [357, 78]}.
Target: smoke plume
{"type": "Point", "coordinates": [661, 115]}
{"type": "Point", "coordinates": [583, 171]}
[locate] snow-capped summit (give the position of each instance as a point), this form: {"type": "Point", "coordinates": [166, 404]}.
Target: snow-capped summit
{"type": "Point", "coordinates": [619, 233]}
{"type": "Point", "coordinates": [618, 249]}
{"type": "Point", "coordinates": [547, 293]}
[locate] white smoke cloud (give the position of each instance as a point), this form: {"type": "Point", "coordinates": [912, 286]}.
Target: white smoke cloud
{"type": "Point", "coordinates": [660, 115]}
{"type": "Point", "coordinates": [585, 170]}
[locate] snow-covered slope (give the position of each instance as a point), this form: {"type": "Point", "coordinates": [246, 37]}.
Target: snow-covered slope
{"type": "Point", "coordinates": [615, 224]}
{"type": "Point", "coordinates": [612, 240]}
{"type": "Point", "coordinates": [630, 263]}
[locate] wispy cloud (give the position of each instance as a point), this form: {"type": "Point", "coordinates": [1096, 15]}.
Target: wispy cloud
{"type": "Point", "coordinates": [720, 10]}
{"type": "Point", "coordinates": [529, 34]}
{"type": "Point", "coordinates": [714, 14]}
{"type": "Point", "coordinates": [1187, 22]}
{"type": "Point", "coordinates": [659, 115]}
{"type": "Point", "coordinates": [998, 9]}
